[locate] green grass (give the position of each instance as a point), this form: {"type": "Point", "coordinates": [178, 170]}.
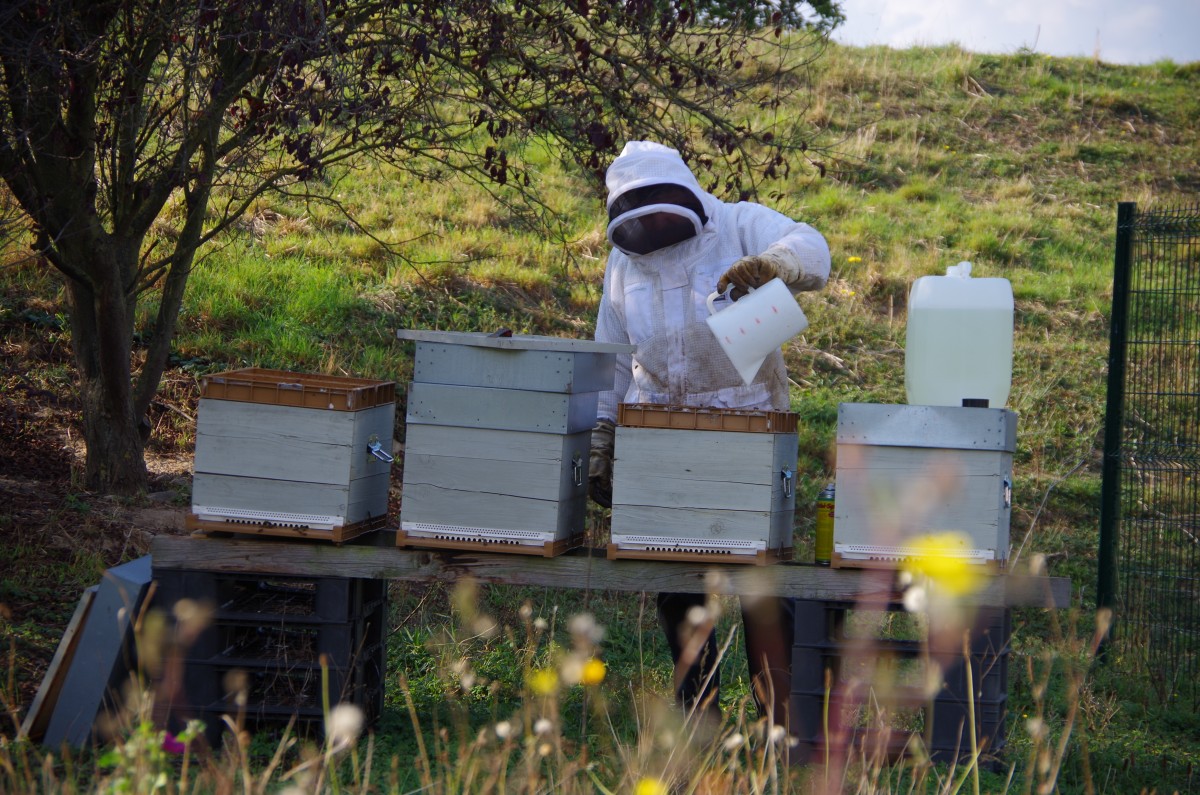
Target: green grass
{"type": "Point", "coordinates": [933, 155]}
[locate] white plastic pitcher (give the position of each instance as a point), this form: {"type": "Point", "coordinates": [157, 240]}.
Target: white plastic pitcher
{"type": "Point", "coordinates": [959, 340]}
{"type": "Point", "coordinates": [756, 324]}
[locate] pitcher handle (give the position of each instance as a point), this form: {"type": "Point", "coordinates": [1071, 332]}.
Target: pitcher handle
{"type": "Point", "coordinates": [715, 294]}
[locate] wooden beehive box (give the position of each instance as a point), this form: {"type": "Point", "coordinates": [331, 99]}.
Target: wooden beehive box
{"type": "Point", "coordinates": [905, 471]}
{"type": "Point", "coordinates": [497, 436]}
{"type": "Point", "coordinates": [691, 483]}
{"type": "Point", "coordinates": [293, 454]}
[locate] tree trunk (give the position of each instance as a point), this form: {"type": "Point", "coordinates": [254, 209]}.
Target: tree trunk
{"type": "Point", "coordinates": [101, 332]}
{"type": "Point", "coordinates": [115, 452]}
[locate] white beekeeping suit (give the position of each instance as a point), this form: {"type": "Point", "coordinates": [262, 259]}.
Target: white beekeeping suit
{"type": "Point", "coordinates": [655, 297]}
{"type": "Point", "coordinates": [674, 245]}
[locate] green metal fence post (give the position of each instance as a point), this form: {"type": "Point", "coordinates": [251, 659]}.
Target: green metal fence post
{"type": "Point", "coordinates": [1110, 488]}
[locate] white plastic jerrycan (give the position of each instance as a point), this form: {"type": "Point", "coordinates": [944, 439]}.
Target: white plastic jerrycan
{"type": "Point", "coordinates": [959, 340]}
{"type": "Point", "coordinates": [756, 324]}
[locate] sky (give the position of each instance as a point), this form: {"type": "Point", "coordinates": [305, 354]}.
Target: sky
{"type": "Point", "coordinates": [1120, 31]}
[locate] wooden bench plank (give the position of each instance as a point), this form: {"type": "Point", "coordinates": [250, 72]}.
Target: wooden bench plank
{"type": "Point", "coordinates": [376, 557]}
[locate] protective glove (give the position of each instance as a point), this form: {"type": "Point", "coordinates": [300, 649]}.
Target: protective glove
{"type": "Point", "coordinates": [600, 463]}
{"type": "Point", "coordinates": [748, 273]}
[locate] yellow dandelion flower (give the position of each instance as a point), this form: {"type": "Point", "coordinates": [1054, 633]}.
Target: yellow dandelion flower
{"type": "Point", "coordinates": [593, 672]}
{"type": "Point", "coordinates": [854, 259]}
{"type": "Point", "coordinates": [544, 681]}
{"type": "Point", "coordinates": [650, 786]}
{"type": "Point", "coordinates": [939, 557]}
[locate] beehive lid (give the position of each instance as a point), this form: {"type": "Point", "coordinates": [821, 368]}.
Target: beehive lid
{"type": "Point", "coordinates": [649, 415]}
{"type": "Point", "coordinates": [949, 427]}
{"type": "Point", "coordinates": [516, 342]}
{"type": "Point", "coordinates": [306, 390]}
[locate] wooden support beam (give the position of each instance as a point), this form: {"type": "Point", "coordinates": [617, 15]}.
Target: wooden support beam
{"type": "Point", "coordinates": [376, 557]}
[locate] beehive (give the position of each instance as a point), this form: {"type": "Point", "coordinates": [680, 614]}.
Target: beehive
{"type": "Point", "coordinates": [283, 453]}
{"type": "Point", "coordinates": [905, 471]}
{"type": "Point", "coordinates": [497, 434]}
{"type": "Point", "coordinates": [705, 482]}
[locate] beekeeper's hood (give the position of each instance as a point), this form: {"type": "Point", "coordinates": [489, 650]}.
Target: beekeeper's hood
{"type": "Point", "coordinates": [654, 200]}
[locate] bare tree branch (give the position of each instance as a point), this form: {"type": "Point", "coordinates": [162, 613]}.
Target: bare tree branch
{"type": "Point", "coordinates": [134, 132]}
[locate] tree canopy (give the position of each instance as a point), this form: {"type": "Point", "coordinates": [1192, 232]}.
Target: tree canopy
{"type": "Point", "coordinates": [821, 15]}
{"type": "Point", "coordinates": [132, 132]}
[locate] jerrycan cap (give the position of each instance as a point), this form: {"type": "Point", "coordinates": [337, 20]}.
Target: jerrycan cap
{"type": "Point", "coordinates": [962, 270]}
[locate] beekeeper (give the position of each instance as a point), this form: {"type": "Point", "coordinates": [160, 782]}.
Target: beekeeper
{"type": "Point", "coordinates": [673, 244]}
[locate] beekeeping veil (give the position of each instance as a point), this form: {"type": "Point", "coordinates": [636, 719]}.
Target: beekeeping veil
{"type": "Point", "coordinates": [654, 200]}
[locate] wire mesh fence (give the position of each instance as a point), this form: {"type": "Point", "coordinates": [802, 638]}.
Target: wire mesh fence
{"type": "Point", "coordinates": [1150, 521]}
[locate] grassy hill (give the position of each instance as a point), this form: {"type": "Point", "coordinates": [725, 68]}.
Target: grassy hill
{"type": "Point", "coordinates": [924, 157]}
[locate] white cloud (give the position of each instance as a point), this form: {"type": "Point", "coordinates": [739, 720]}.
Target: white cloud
{"type": "Point", "coordinates": [1119, 30]}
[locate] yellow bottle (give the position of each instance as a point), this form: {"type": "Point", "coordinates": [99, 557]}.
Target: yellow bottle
{"type": "Point", "coordinates": [823, 543]}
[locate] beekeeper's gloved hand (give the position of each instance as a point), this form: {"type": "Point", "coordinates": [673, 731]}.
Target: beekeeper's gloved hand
{"type": "Point", "coordinates": [600, 463]}
{"type": "Point", "coordinates": [750, 273]}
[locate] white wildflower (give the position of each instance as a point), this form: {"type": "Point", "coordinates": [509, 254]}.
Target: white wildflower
{"type": "Point", "coordinates": [344, 725]}
{"type": "Point", "coordinates": [584, 627]}
{"type": "Point", "coordinates": [571, 670]}
{"type": "Point", "coordinates": [916, 599]}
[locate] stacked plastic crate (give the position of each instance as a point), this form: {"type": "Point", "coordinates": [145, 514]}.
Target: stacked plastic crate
{"type": "Point", "coordinates": [272, 647]}
{"type": "Point", "coordinates": [972, 683]}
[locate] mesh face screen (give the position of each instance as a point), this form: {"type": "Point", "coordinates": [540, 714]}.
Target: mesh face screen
{"type": "Point", "coordinates": [656, 194]}
{"type": "Point", "coordinates": [652, 228]}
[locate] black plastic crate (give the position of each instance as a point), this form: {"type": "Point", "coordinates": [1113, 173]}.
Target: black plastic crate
{"type": "Point", "coordinates": [949, 735]}
{"type": "Point", "coordinates": [260, 656]}
{"type": "Point", "coordinates": [282, 643]}
{"type": "Point", "coordinates": [989, 673]}
{"type": "Point", "coordinates": [825, 624]}
{"type": "Point", "coordinates": [822, 643]}
{"type": "Point", "coordinates": [267, 692]}
{"type": "Point", "coordinates": [257, 597]}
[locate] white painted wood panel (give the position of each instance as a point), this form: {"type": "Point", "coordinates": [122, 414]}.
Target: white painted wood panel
{"type": "Point", "coordinates": [516, 342]}
{"type": "Point", "coordinates": [501, 409]}
{"type": "Point", "coordinates": [378, 423]}
{"type": "Point", "coordinates": [365, 498]}
{"type": "Point", "coordinates": [538, 370]}
{"type": "Point", "coordinates": [886, 494]}
{"type": "Point", "coordinates": [290, 443]}
{"type": "Point", "coordinates": [703, 469]}
{"type": "Point", "coordinates": [489, 443]}
{"type": "Point", "coordinates": [773, 529]}
{"type": "Point", "coordinates": [949, 427]}
{"type": "Point", "coordinates": [537, 465]}
{"type": "Point", "coordinates": [432, 504]}
{"type": "Point", "coordinates": [713, 485]}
